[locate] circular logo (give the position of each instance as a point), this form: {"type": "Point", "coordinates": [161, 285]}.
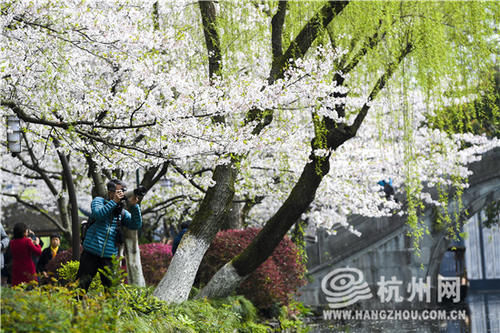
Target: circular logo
{"type": "Point", "coordinates": [345, 286]}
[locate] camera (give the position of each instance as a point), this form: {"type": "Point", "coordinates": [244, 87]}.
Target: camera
{"type": "Point", "coordinates": [139, 192]}
{"type": "Point", "coordinates": [32, 235]}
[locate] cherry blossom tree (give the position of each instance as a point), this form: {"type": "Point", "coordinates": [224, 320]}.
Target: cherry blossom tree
{"type": "Point", "coordinates": [295, 108]}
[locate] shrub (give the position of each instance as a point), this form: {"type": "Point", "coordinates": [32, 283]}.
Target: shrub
{"type": "Point", "coordinates": [128, 309]}
{"type": "Point", "coordinates": [55, 263]}
{"type": "Point", "coordinates": [273, 282]}
{"type": "Point", "coordinates": [155, 258]}
{"type": "Point", "coordinates": [53, 309]}
{"type": "Point", "coordinates": [66, 275]}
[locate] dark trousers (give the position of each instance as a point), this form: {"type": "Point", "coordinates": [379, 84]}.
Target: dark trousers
{"type": "Point", "coordinates": [89, 264]}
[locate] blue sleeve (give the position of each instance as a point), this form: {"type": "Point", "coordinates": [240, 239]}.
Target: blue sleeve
{"type": "Point", "coordinates": [133, 219]}
{"type": "Point", "coordinates": [102, 209]}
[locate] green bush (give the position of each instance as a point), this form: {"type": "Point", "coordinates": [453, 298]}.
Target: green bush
{"type": "Point", "coordinates": [50, 309]}
{"type": "Point", "coordinates": [127, 309]}
{"type": "Point", "coordinates": [67, 276]}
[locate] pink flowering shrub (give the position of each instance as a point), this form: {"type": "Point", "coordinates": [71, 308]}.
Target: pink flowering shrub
{"type": "Point", "coordinates": [274, 281]}
{"type": "Point", "coordinates": [155, 258]}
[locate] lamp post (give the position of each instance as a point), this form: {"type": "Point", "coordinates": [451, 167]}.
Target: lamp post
{"type": "Point", "coordinates": [14, 134]}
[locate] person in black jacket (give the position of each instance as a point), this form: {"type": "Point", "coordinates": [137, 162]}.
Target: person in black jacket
{"type": "Point", "coordinates": [48, 254]}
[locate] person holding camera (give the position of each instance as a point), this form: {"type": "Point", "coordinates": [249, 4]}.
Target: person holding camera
{"type": "Point", "coordinates": [22, 249]}
{"type": "Point", "coordinates": [99, 244]}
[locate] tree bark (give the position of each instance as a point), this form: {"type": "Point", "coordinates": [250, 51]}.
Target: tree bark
{"type": "Point", "coordinates": [233, 218]}
{"type": "Point", "coordinates": [133, 258]}
{"type": "Point", "coordinates": [75, 221]}
{"type": "Point", "coordinates": [195, 242]}
{"type": "Point", "coordinates": [229, 277]}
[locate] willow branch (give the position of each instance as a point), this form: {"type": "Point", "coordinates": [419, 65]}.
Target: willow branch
{"type": "Point", "coordinates": [379, 85]}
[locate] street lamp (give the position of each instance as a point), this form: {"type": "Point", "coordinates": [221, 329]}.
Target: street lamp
{"type": "Point", "coordinates": [14, 134]}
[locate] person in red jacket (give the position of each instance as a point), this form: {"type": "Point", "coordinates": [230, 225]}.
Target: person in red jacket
{"type": "Point", "coordinates": [22, 248]}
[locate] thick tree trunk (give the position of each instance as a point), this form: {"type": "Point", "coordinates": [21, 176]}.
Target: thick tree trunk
{"type": "Point", "coordinates": [228, 278]}
{"type": "Point", "coordinates": [222, 283]}
{"type": "Point", "coordinates": [133, 258]}
{"type": "Point", "coordinates": [233, 218]}
{"type": "Point", "coordinates": [178, 281]}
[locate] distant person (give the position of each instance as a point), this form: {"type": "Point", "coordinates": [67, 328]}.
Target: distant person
{"type": "Point", "coordinates": [22, 249]}
{"type": "Point", "coordinates": [178, 238]}
{"type": "Point", "coordinates": [4, 244]}
{"type": "Point", "coordinates": [48, 254]}
{"type": "Point", "coordinates": [388, 188]}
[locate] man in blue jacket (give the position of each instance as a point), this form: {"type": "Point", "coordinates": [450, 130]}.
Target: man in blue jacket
{"type": "Point", "coordinates": [99, 244]}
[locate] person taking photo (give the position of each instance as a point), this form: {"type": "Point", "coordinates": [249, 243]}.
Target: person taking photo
{"type": "Point", "coordinates": [22, 249]}
{"type": "Point", "coordinates": [99, 244]}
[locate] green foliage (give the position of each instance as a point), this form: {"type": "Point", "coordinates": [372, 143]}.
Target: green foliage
{"type": "Point", "coordinates": [66, 275]}
{"type": "Point", "coordinates": [492, 214]}
{"type": "Point", "coordinates": [51, 309]}
{"type": "Point", "coordinates": [239, 305]}
{"type": "Point", "coordinates": [140, 300]}
{"type": "Point", "coordinates": [114, 273]}
{"type": "Point", "coordinates": [128, 309]}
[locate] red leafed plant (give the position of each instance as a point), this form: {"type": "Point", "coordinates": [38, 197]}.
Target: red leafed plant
{"type": "Point", "coordinates": [155, 258]}
{"type": "Point", "coordinates": [274, 281]}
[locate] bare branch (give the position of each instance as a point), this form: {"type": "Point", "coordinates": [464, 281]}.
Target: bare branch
{"type": "Point", "coordinates": [35, 208]}
{"type": "Point", "coordinates": [189, 179]}
{"type": "Point", "coordinates": [65, 125]}
{"type": "Point", "coordinates": [12, 172]}
{"type": "Point", "coordinates": [36, 167]}
{"type": "Point", "coordinates": [162, 205]}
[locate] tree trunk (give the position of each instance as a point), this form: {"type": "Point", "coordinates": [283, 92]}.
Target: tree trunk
{"type": "Point", "coordinates": [229, 277]}
{"type": "Point", "coordinates": [75, 221]}
{"type": "Point", "coordinates": [178, 281]}
{"type": "Point", "coordinates": [133, 258]}
{"type": "Point", "coordinates": [233, 218]}
{"type": "Point", "coordinates": [222, 283]}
